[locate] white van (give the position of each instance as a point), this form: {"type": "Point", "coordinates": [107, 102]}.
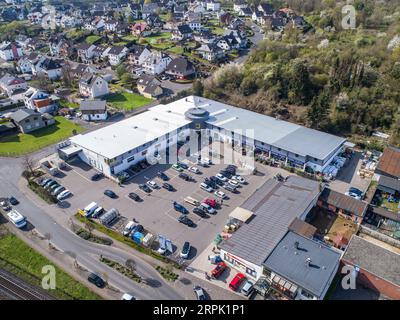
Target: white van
{"type": "Point", "coordinates": [128, 228]}
{"type": "Point", "coordinates": [192, 201]}
{"type": "Point", "coordinates": [90, 209]}
{"type": "Point", "coordinates": [17, 219]}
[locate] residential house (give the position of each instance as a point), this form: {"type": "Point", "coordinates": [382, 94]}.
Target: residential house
{"type": "Point", "coordinates": [39, 100]}
{"type": "Point", "coordinates": [387, 172]}
{"type": "Point", "coordinates": [149, 9]}
{"type": "Point", "coordinates": [226, 18]}
{"type": "Point", "coordinates": [116, 54]}
{"type": "Point", "coordinates": [154, 21]}
{"type": "Point", "coordinates": [195, 24]}
{"type": "Point", "coordinates": [266, 9]}
{"type": "Point", "coordinates": [141, 29]}
{"type": "Point", "coordinates": [28, 120]}
{"type": "Point", "coordinates": [205, 36]}
{"type": "Point", "coordinates": [239, 36]}
{"type": "Point", "coordinates": [93, 110]}
{"type": "Point", "coordinates": [156, 62]}
{"type": "Point", "coordinates": [100, 52]}
{"type": "Point", "coordinates": [79, 70]}
{"type": "Point", "coordinates": [27, 63]}
{"type": "Point", "coordinates": [85, 52]}
{"type": "Point", "coordinates": [92, 86]}
{"type": "Point", "coordinates": [238, 5]}
{"type": "Point", "coordinates": [257, 15]}
{"type": "Point", "coordinates": [134, 11]}
{"type": "Point", "coordinates": [10, 51]}
{"type": "Point", "coordinates": [245, 12]}
{"type": "Point", "coordinates": [227, 43]}
{"type": "Point", "coordinates": [180, 68]}
{"type": "Point", "coordinates": [180, 8]}
{"type": "Point", "coordinates": [9, 83]}
{"type": "Point", "coordinates": [138, 54]}
{"type": "Point", "coordinates": [96, 24]}
{"type": "Point", "coordinates": [197, 8]}
{"type": "Point", "coordinates": [111, 25]}
{"type": "Point", "coordinates": [211, 52]}
{"type": "Point", "coordinates": [49, 67]}
{"type": "Point", "coordinates": [236, 23]}
{"type": "Point", "coordinates": [182, 32]}
{"type": "Point", "coordinates": [278, 24]}
{"type": "Point", "coordinates": [149, 86]}
{"type": "Point", "coordinates": [212, 5]}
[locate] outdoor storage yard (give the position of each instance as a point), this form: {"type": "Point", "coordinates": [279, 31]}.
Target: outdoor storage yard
{"type": "Point", "coordinates": [156, 212]}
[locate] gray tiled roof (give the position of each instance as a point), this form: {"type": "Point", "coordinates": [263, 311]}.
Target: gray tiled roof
{"type": "Point", "coordinates": [93, 105]}
{"type": "Point", "coordinates": [377, 260]}
{"type": "Point", "coordinates": [289, 262]}
{"type": "Point", "coordinates": [275, 205]}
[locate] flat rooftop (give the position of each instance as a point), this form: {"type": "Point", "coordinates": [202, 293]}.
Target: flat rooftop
{"type": "Point", "coordinates": [275, 205]}
{"type": "Point", "coordinates": [123, 136]}
{"type": "Point", "coordinates": [281, 134]}
{"type": "Point", "coordinates": [375, 259]}
{"type": "Point", "coordinates": [289, 260]}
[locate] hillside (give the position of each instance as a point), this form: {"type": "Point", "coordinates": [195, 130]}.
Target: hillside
{"type": "Point", "coordinates": [345, 82]}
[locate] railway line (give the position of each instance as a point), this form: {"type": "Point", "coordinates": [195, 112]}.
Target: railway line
{"type": "Point", "coordinates": [15, 289]}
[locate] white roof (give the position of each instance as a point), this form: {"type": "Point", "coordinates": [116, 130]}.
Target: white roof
{"type": "Point", "coordinates": [125, 135]}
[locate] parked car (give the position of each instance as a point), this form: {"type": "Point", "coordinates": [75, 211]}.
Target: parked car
{"type": "Point", "coordinates": [247, 288]}
{"type": "Point", "coordinates": [145, 188]}
{"type": "Point", "coordinates": [63, 195]}
{"type": "Point", "coordinates": [206, 160]}
{"type": "Point", "coordinates": [183, 165]}
{"type": "Point", "coordinates": [184, 176]}
{"type": "Point", "coordinates": [229, 187]}
{"type": "Point", "coordinates": [239, 179]}
{"type": "Point", "coordinates": [353, 195]}
{"type": "Point", "coordinates": [199, 292]}
{"type": "Point", "coordinates": [127, 296]}
{"type": "Point", "coordinates": [208, 208]}
{"type": "Point", "coordinates": [162, 176]}
{"type": "Point", "coordinates": [168, 186]}
{"type": "Point", "coordinates": [206, 187]}
{"type": "Point", "coordinates": [143, 164]}
{"type": "Point", "coordinates": [124, 175]}
{"type": "Point", "coordinates": [185, 220]}
{"type": "Point", "coordinates": [180, 208]}
{"type": "Point", "coordinates": [152, 184]}
{"type": "Point", "coordinates": [97, 176]}
{"type": "Point", "coordinates": [53, 187]}
{"type": "Point", "coordinates": [218, 270]}
{"type": "Point", "coordinates": [221, 177]}
{"type": "Point", "coordinates": [220, 194]}
{"type": "Point", "coordinates": [233, 183]}
{"type": "Point", "coordinates": [5, 206]}
{"type": "Point", "coordinates": [58, 190]}
{"type": "Point", "coordinates": [210, 202]}
{"type": "Point", "coordinates": [185, 250]}
{"type": "Point", "coordinates": [97, 212]}
{"type": "Point", "coordinates": [96, 280]}
{"type": "Point", "coordinates": [134, 196]}
{"type": "Point", "coordinates": [194, 169]}
{"type": "Point", "coordinates": [176, 167]}
{"type": "Point", "coordinates": [200, 212]}
{"type": "Point", "coordinates": [128, 228]}
{"type": "Point", "coordinates": [49, 184]}
{"type": "Point", "coordinates": [192, 201]}
{"type": "Point", "coordinates": [226, 174]}
{"type": "Point", "coordinates": [110, 193]}
{"type": "Point", "coordinates": [236, 281]}
{"type": "Point", "coordinates": [45, 181]}
{"type": "Point", "coordinates": [357, 192]}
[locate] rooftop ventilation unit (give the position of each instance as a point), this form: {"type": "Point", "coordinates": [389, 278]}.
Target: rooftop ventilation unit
{"type": "Point", "coordinates": [308, 262]}
{"type": "Point", "coordinates": [296, 245]}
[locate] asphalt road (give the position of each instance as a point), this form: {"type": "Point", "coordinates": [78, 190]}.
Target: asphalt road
{"type": "Point", "coordinates": [87, 254]}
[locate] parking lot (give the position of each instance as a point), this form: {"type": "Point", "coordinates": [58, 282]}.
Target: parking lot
{"type": "Point", "coordinates": [156, 212]}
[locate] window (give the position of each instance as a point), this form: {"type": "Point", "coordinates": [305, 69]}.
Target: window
{"type": "Point", "coordinates": [27, 121]}
{"type": "Point", "coordinates": [279, 149]}
{"type": "Point", "coordinates": [296, 155]}
{"type": "Point", "coordinates": [130, 159]}
{"type": "Point", "coordinates": [315, 159]}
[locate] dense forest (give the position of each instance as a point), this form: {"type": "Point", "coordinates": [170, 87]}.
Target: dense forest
{"type": "Point", "coordinates": [345, 82]}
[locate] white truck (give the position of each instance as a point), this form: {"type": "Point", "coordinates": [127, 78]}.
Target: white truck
{"type": "Point", "coordinates": [17, 219]}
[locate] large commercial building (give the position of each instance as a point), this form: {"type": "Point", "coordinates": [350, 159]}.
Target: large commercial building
{"type": "Point", "coordinates": [116, 147]}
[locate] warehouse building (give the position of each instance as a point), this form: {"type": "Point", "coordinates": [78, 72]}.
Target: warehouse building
{"type": "Point", "coordinates": [114, 148]}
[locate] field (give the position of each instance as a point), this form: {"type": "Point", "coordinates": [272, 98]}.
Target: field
{"type": "Point", "coordinates": [19, 144]}
{"type": "Point", "coordinates": [91, 39]}
{"type": "Point", "coordinates": [127, 101]}
{"type": "Point", "coordinates": [20, 259]}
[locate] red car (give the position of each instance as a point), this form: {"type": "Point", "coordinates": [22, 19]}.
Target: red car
{"type": "Point", "coordinates": [236, 281]}
{"type": "Point", "coordinates": [211, 202]}
{"type": "Point", "coordinates": [218, 270]}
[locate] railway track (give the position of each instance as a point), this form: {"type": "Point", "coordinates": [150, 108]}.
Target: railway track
{"type": "Point", "coordinates": [14, 288]}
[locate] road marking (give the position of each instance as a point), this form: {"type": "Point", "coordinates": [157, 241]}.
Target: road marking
{"type": "Point", "coordinates": [81, 175]}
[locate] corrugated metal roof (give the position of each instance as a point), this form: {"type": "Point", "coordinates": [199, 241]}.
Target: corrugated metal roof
{"type": "Point", "coordinates": [341, 201]}
{"type": "Point", "coordinates": [289, 260]}
{"type": "Point", "coordinates": [389, 163]}
{"type": "Point", "coordinates": [380, 261]}
{"type": "Point", "coordinates": [390, 183]}
{"type": "Point", "coordinates": [275, 205]}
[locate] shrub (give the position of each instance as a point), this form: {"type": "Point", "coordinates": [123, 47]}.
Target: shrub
{"type": "Point", "coordinates": [41, 192]}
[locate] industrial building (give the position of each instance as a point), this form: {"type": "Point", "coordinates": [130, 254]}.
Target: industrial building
{"type": "Point", "coordinates": [115, 148]}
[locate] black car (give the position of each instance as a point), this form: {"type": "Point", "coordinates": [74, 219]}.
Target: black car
{"type": "Point", "coordinates": [183, 165]}
{"type": "Point", "coordinates": [185, 220]}
{"type": "Point", "coordinates": [96, 280]}
{"type": "Point", "coordinates": [145, 188]}
{"type": "Point", "coordinates": [199, 212]}
{"type": "Point", "coordinates": [162, 176]}
{"type": "Point", "coordinates": [210, 182]}
{"type": "Point", "coordinates": [226, 174]}
{"type": "Point", "coordinates": [138, 228]}
{"type": "Point", "coordinates": [134, 196]}
{"type": "Point", "coordinates": [110, 194]}
{"type": "Point", "coordinates": [167, 186]}
{"type": "Point", "coordinates": [13, 201]}
{"type": "Point", "coordinates": [231, 170]}
{"type": "Point", "coordinates": [184, 176]}
{"type": "Point", "coordinates": [97, 176]}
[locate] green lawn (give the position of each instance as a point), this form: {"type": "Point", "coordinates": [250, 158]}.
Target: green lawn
{"type": "Point", "coordinates": [19, 144]}
{"type": "Point", "coordinates": [91, 39]}
{"type": "Point", "coordinates": [66, 104]}
{"type": "Point", "coordinates": [20, 259]}
{"type": "Point", "coordinates": [127, 101]}
{"type": "Point", "coordinates": [176, 50]}
{"type": "Point", "coordinates": [129, 38]}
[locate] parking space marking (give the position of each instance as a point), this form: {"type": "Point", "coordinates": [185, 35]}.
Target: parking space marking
{"type": "Point", "coordinates": [87, 179]}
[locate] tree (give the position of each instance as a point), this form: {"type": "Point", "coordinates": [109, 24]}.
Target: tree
{"type": "Point", "coordinates": [120, 70]}
{"type": "Point", "coordinates": [169, 17]}
{"type": "Point", "coordinates": [29, 165]}
{"type": "Point", "coordinates": [89, 227]}
{"type": "Point", "coordinates": [147, 1]}
{"type": "Point", "coordinates": [197, 88]}
{"type": "Point", "coordinates": [66, 76]}
{"type": "Point", "coordinates": [131, 264]}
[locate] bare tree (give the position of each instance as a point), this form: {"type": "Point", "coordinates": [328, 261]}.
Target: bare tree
{"type": "Point", "coordinates": [89, 227]}
{"type": "Point", "coordinates": [131, 264]}
{"type": "Point", "coordinates": [29, 165]}
{"type": "Point", "coordinates": [66, 76]}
